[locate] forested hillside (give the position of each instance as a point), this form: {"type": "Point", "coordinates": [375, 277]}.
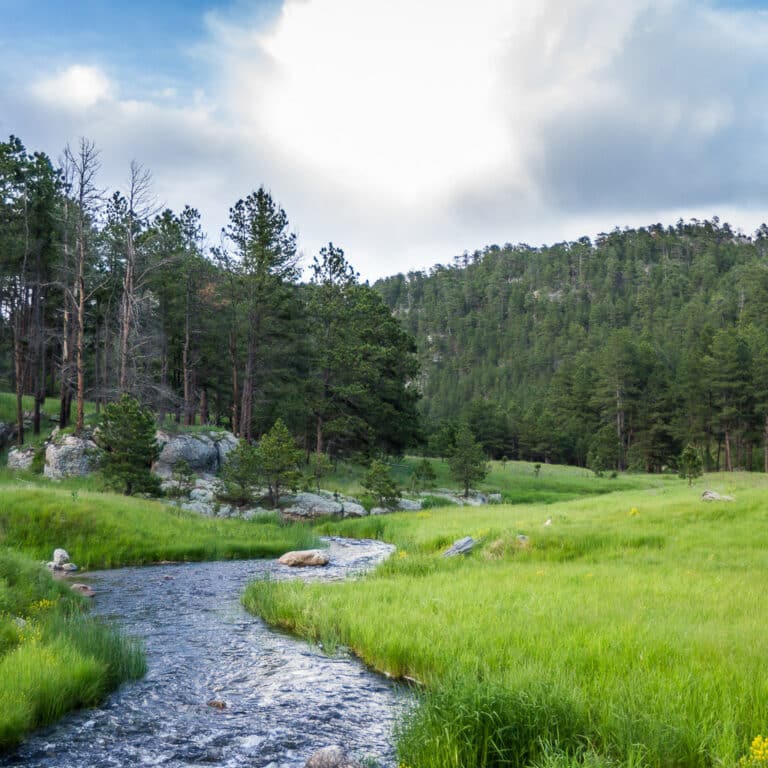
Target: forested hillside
{"type": "Point", "coordinates": [104, 293]}
{"type": "Point", "coordinates": [613, 353]}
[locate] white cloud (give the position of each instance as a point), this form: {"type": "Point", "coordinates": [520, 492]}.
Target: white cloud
{"type": "Point", "coordinates": [76, 87]}
{"type": "Point", "coordinates": [408, 131]}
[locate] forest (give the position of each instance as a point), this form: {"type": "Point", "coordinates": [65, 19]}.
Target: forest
{"type": "Point", "coordinates": [103, 294]}
{"type": "Point", "coordinates": [614, 353]}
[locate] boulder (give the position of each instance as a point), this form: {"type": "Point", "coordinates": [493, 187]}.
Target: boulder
{"type": "Point", "coordinates": [70, 456]}
{"type": "Point", "coordinates": [715, 496]}
{"type": "Point", "coordinates": [199, 507]}
{"type": "Point", "coordinates": [20, 459]}
{"type": "Point", "coordinates": [304, 557]}
{"type": "Point", "coordinates": [60, 557]}
{"type": "Point", "coordinates": [308, 506]}
{"type": "Point", "coordinates": [204, 452]}
{"type": "Point", "coordinates": [331, 757]}
{"type": "Point", "coordinates": [408, 505]}
{"type": "Point", "coordinates": [82, 589]}
{"type": "Point", "coordinates": [460, 547]}
{"type": "Point", "coordinates": [353, 509]}
{"type": "Point", "coordinates": [61, 561]}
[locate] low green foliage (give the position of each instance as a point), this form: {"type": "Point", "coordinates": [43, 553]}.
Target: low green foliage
{"type": "Point", "coordinates": [621, 632]}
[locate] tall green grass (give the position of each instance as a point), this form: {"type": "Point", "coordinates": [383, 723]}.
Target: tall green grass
{"type": "Point", "coordinates": [101, 530]}
{"type": "Point", "coordinates": [627, 632]}
{"type": "Point", "coordinates": [53, 658]}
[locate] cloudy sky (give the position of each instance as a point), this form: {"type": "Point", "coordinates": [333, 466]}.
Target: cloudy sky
{"type": "Point", "coordinates": [408, 131]}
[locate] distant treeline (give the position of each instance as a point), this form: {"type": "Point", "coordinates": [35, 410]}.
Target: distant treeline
{"type": "Point", "coordinates": [613, 353]}
{"type": "Point", "coordinates": [103, 294]}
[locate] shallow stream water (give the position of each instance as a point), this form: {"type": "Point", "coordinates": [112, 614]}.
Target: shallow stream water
{"type": "Point", "coordinates": [284, 698]}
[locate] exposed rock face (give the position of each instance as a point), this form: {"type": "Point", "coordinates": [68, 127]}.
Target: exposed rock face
{"type": "Point", "coordinates": [204, 452]}
{"type": "Point", "coordinates": [70, 456]}
{"type": "Point", "coordinates": [308, 506]}
{"type": "Point", "coordinates": [353, 509]}
{"type": "Point", "coordinates": [331, 757]}
{"type": "Point", "coordinates": [303, 557]}
{"type": "Point", "coordinates": [20, 458]}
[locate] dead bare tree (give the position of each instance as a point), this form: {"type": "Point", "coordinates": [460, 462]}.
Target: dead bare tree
{"type": "Point", "coordinates": [83, 166]}
{"type": "Point", "coordinates": [141, 205]}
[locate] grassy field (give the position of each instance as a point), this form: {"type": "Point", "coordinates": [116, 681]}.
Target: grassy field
{"type": "Point", "coordinates": [52, 657]}
{"type": "Point", "coordinates": [519, 482]}
{"type": "Point", "coordinates": [627, 632]}
{"type": "Point", "coordinates": [101, 530]}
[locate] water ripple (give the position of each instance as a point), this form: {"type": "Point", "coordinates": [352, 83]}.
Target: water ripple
{"type": "Point", "coordinates": [284, 698]}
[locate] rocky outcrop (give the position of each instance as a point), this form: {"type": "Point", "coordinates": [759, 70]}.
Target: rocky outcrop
{"type": "Point", "coordinates": [715, 496]}
{"type": "Point", "coordinates": [331, 757]}
{"type": "Point", "coordinates": [70, 456]}
{"type": "Point", "coordinates": [304, 557]}
{"type": "Point", "coordinates": [20, 459]}
{"type": "Point", "coordinates": [205, 452]}
{"type": "Point", "coordinates": [353, 509]}
{"type": "Point", "coordinates": [473, 499]}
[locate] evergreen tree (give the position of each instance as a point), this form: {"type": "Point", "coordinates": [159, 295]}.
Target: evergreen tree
{"type": "Point", "coordinates": [424, 475]}
{"type": "Point", "coordinates": [240, 474]}
{"type": "Point", "coordinates": [467, 462]}
{"type": "Point", "coordinates": [380, 483]}
{"type": "Point", "coordinates": [127, 435]}
{"type": "Point", "coordinates": [690, 463]}
{"type": "Point", "coordinates": [278, 458]}
{"type": "Point", "coordinates": [319, 466]}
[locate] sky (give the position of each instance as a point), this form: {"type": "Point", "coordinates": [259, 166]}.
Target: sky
{"type": "Point", "coordinates": [407, 131]}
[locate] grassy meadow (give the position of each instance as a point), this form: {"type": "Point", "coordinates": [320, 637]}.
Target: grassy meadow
{"type": "Point", "coordinates": [103, 530]}
{"type": "Point", "coordinates": [626, 632]}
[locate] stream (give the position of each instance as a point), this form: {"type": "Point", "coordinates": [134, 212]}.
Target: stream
{"type": "Point", "coordinates": [284, 697]}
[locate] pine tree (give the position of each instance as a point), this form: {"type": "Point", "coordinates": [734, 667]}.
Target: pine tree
{"type": "Point", "coordinates": [278, 459]}
{"type": "Point", "coordinates": [381, 484]}
{"type": "Point", "coordinates": [690, 463]}
{"type": "Point", "coordinates": [467, 462]}
{"type": "Point", "coordinates": [127, 434]}
{"type": "Point", "coordinates": [240, 474]}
